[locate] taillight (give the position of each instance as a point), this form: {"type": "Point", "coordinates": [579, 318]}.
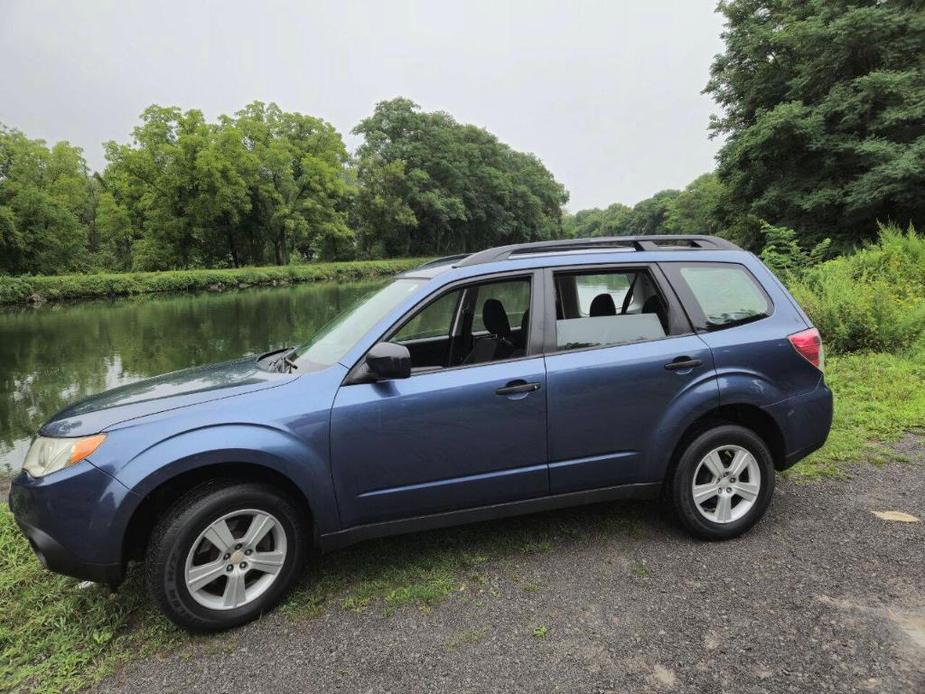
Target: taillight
{"type": "Point", "coordinates": [809, 345]}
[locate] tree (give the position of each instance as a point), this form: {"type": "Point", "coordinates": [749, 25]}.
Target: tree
{"type": "Point", "coordinates": [263, 184]}
{"type": "Point", "coordinates": [300, 194]}
{"type": "Point", "coordinates": [698, 208]}
{"type": "Point", "coordinates": [650, 215]}
{"type": "Point", "coordinates": [823, 113]}
{"type": "Point", "coordinates": [430, 185]}
{"type": "Point", "coordinates": [46, 205]}
{"type": "Point", "coordinates": [597, 222]}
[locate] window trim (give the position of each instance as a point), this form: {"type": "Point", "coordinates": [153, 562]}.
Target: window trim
{"type": "Point", "coordinates": [679, 321]}
{"type": "Point", "coordinates": [698, 319]}
{"type": "Point", "coordinates": [534, 344]}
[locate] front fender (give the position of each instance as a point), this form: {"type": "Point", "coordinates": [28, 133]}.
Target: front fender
{"type": "Point", "coordinates": [250, 443]}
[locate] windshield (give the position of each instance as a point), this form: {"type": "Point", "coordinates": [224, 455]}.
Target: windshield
{"type": "Point", "coordinates": [333, 341]}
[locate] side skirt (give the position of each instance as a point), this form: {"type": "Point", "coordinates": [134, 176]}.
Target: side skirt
{"type": "Point", "coordinates": [342, 538]}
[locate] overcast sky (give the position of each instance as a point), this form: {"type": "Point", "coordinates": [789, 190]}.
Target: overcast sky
{"type": "Point", "coordinates": [606, 93]}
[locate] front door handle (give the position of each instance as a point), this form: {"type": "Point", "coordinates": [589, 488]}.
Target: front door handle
{"type": "Point", "coordinates": [518, 387]}
{"type": "Point", "coordinates": [682, 363]}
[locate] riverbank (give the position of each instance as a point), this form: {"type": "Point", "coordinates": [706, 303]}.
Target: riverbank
{"type": "Point", "coordinates": [41, 288]}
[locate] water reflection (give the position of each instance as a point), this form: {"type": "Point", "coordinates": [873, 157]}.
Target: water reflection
{"type": "Point", "coordinates": [55, 354]}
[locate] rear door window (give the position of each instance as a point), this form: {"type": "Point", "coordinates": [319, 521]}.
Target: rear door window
{"type": "Point", "coordinates": [608, 308]}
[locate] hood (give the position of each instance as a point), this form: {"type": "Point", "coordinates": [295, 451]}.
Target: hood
{"type": "Point", "coordinates": [167, 392]}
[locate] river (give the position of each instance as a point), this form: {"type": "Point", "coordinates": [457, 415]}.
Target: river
{"type": "Point", "coordinates": [54, 354]}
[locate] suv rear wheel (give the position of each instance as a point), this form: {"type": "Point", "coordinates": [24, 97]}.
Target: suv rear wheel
{"type": "Point", "coordinates": [723, 482]}
{"type": "Point", "coordinates": [224, 554]}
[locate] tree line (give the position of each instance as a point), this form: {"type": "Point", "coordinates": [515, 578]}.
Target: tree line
{"type": "Point", "coordinates": [822, 111]}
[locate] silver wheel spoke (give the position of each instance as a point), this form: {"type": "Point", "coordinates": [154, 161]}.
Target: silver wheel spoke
{"type": "Point", "coordinates": [746, 490]}
{"type": "Point", "coordinates": [260, 525]}
{"type": "Point", "coordinates": [712, 480]}
{"type": "Point", "coordinates": [235, 592]}
{"type": "Point", "coordinates": [714, 464]}
{"type": "Point", "coordinates": [703, 492]}
{"type": "Point", "coordinates": [220, 535]}
{"type": "Point", "coordinates": [200, 576]}
{"type": "Point", "coordinates": [248, 573]}
{"type": "Point", "coordinates": [739, 461]}
{"type": "Point", "coordinates": [267, 562]}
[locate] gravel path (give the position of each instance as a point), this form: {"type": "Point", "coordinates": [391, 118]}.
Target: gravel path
{"type": "Point", "coordinates": [821, 596]}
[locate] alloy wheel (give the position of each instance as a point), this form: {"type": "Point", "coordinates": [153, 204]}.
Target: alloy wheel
{"type": "Point", "coordinates": [726, 484]}
{"type": "Point", "coordinates": [235, 559]}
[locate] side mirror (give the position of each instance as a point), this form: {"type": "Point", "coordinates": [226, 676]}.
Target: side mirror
{"type": "Point", "coordinates": [387, 360]}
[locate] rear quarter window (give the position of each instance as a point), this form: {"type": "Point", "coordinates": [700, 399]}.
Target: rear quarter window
{"type": "Point", "coordinates": [725, 293]}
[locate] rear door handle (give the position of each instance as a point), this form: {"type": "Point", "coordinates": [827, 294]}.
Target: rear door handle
{"type": "Point", "coordinates": [683, 363]}
{"type": "Point", "coordinates": [517, 387]}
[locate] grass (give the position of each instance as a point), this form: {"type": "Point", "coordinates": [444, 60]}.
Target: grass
{"type": "Point", "coordinates": [18, 290]}
{"type": "Point", "coordinates": [878, 398]}
{"type": "Point", "coordinates": [55, 636]}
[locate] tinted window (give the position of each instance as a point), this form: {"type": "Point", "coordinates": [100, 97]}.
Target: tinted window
{"type": "Point", "coordinates": [434, 320]}
{"type": "Point", "coordinates": [589, 287]}
{"type": "Point", "coordinates": [514, 297]}
{"type": "Point", "coordinates": [457, 329]}
{"type": "Point", "coordinates": [726, 294]}
{"type": "Point", "coordinates": [608, 308]}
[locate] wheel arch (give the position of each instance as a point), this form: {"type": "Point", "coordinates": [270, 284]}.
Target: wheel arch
{"type": "Point", "coordinates": [158, 499]}
{"type": "Point", "coordinates": [747, 415]}
{"type": "Point", "coordinates": [161, 473]}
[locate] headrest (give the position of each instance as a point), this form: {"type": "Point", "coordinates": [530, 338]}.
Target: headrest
{"type": "Point", "coordinates": [603, 306]}
{"type": "Point", "coordinates": [495, 318]}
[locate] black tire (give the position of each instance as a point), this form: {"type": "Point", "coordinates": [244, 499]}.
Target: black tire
{"type": "Point", "coordinates": [179, 527]}
{"type": "Point", "coordinates": [682, 498]}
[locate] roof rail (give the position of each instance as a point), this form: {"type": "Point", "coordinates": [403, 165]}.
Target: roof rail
{"type": "Point", "coordinates": [445, 260]}
{"type": "Point", "coordinates": [635, 243]}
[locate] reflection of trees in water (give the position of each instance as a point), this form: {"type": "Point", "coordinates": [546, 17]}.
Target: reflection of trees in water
{"type": "Point", "coordinates": [53, 355]}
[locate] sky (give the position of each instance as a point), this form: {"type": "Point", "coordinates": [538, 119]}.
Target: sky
{"type": "Point", "coordinates": [606, 93]}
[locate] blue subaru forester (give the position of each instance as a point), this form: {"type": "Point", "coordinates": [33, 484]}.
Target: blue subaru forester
{"type": "Point", "coordinates": [509, 381]}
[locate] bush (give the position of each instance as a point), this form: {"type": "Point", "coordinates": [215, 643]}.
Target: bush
{"type": "Point", "coordinates": [57, 287]}
{"type": "Point", "coordinates": [873, 299]}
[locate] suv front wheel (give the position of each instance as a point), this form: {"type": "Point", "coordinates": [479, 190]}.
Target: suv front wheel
{"type": "Point", "coordinates": [723, 482]}
{"type": "Point", "coordinates": [224, 554]}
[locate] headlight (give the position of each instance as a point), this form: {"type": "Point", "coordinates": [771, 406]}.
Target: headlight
{"type": "Point", "coordinates": [48, 455]}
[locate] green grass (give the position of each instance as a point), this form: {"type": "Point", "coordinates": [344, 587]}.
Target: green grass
{"type": "Point", "coordinates": [54, 636]}
{"type": "Point", "coordinates": [18, 290]}
{"type": "Point", "coordinates": [878, 398]}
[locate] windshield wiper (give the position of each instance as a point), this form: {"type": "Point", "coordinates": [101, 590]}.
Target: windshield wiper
{"type": "Point", "coordinates": [286, 360]}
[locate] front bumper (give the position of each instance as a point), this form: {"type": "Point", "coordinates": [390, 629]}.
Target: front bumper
{"type": "Point", "coordinates": [69, 520]}
{"type": "Point", "coordinates": [56, 557]}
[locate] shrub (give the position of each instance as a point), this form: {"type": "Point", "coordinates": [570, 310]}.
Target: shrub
{"type": "Point", "coordinates": [783, 253]}
{"type": "Point", "coordinates": [873, 299]}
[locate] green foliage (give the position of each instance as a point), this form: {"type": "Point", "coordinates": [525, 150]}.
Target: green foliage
{"type": "Point", "coordinates": [45, 205]}
{"type": "Point", "coordinates": [873, 299]}
{"type": "Point", "coordinates": [429, 185]}
{"type": "Point", "coordinates": [823, 113]}
{"type": "Point", "coordinates": [59, 287]}
{"type": "Point", "coordinates": [596, 222]}
{"type": "Point", "coordinates": [260, 186]}
{"type": "Point", "coordinates": [783, 253]}
{"type": "Point", "coordinates": [697, 209]}
{"type": "Point", "coordinates": [878, 398]}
